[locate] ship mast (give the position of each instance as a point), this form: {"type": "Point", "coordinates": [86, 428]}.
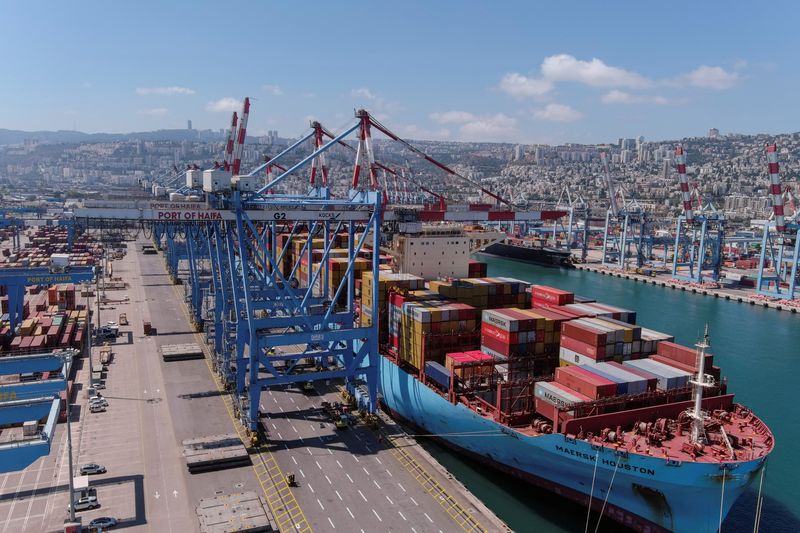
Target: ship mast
{"type": "Point", "coordinates": [698, 384]}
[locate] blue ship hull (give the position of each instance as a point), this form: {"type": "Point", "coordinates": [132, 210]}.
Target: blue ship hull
{"type": "Point", "coordinates": [648, 493]}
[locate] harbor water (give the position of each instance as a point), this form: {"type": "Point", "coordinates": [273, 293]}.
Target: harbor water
{"type": "Point", "coordinates": [759, 352]}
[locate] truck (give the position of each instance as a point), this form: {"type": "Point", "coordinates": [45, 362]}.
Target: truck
{"type": "Point", "coordinates": [123, 319]}
{"type": "Point", "coordinates": [59, 263]}
{"type": "Point", "coordinates": [105, 355]}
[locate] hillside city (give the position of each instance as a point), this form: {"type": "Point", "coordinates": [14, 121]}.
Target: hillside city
{"type": "Point", "coordinates": [726, 171]}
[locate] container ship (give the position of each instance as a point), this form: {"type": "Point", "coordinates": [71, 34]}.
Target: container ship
{"type": "Point", "coordinates": [528, 251]}
{"type": "Point", "coordinates": [564, 392]}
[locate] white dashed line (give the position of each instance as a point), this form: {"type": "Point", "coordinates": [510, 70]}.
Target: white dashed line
{"type": "Point", "coordinates": [309, 451]}
{"type": "Point", "coordinates": [294, 460]}
{"type": "Point", "coordinates": [320, 504]}
{"type": "Point", "coordinates": [301, 472]}
{"type": "Point", "coordinates": [390, 474]}
{"type": "Point", "coordinates": [365, 470]}
{"type": "Point", "coordinates": [362, 495]}
{"type": "Point", "coordinates": [281, 408]}
{"type": "Point", "coordinates": [329, 480]}
{"type": "Point", "coordinates": [318, 465]}
{"type": "Point", "coordinates": [350, 513]}
{"type": "Point", "coordinates": [338, 463]}
{"type": "Point", "coordinates": [273, 425]}
{"type": "Point", "coordinates": [390, 500]}
{"type": "Point", "coordinates": [279, 436]}
{"type": "Point", "coordinates": [351, 479]}
{"type": "Point", "coordinates": [377, 515]}
{"type": "Point", "coordinates": [339, 495]}
{"type": "Point", "coordinates": [356, 458]}
{"type": "Point", "coordinates": [312, 488]}
{"type": "Point", "coordinates": [428, 517]}
{"type": "Point", "coordinates": [291, 399]}
{"type": "Point", "coordinates": [376, 484]}
{"type": "Point", "coordinates": [401, 487]}
{"type": "Point", "coordinates": [379, 461]}
{"type": "Point", "coordinates": [401, 515]}
{"type": "Point", "coordinates": [331, 522]}
{"type": "Point", "coordinates": [415, 501]}
{"type": "Point", "coordinates": [295, 429]}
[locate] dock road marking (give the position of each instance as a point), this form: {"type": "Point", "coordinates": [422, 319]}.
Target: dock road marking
{"type": "Point", "coordinates": [362, 495]}
{"type": "Point", "coordinates": [350, 513]}
{"type": "Point", "coordinates": [377, 515]}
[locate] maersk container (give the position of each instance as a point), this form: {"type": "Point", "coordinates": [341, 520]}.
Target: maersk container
{"type": "Point", "coordinates": [438, 373]}
{"type": "Point", "coordinates": [622, 385]}
{"type": "Point", "coordinates": [668, 378]}
{"type": "Point", "coordinates": [636, 384]}
{"type": "Point", "coordinates": [555, 395]}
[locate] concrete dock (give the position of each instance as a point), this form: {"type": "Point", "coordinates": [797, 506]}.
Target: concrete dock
{"type": "Point", "coordinates": [355, 479]}
{"type": "Point", "coordinates": [736, 295]}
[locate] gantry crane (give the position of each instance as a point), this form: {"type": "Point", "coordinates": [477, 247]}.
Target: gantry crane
{"type": "Point", "coordinates": [780, 245]}
{"type": "Point", "coordinates": [699, 236]}
{"type": "Point", "coordinates": [626, 227]}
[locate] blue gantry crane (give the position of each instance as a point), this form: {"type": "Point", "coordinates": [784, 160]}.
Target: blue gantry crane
{"type": "Point", "coordinates": [626, 227]}
{"type": "Point", "coordinates": [28, 401]}
{"type": "Point", "coordinates": [780, 245]}
{"type": "Point", "coordinates": [699, 236]}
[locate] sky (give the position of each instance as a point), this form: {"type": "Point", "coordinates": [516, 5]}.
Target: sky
{"type": "Point", "coordinates": [507, 71]}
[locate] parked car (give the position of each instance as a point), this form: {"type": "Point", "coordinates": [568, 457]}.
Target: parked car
{"type": "Point", "coordinates": [98, 401]}
{"type": "Point", "coordinates": [92, 468]}
{"type": "Point", "coordinates": [97, 408]}
{"type": "Point", "coordinates": [84, 503]}
{"type": "Point", "coordinates": [104, 522]}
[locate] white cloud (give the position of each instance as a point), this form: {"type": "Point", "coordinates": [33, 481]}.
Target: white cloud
{"type": "Point", "coordinates": [706, 77]}
{"type": "Point", "coordinates": [274, 90]}
{"type": "Point", "coordinates": [224, 104]}
{"type": "Point", "coordinates": [557, 113]}
{"type": "Point", "coordinates": [497, 127]}
{"type": "Point", "coordinates": [521, 86]}
{"type": "Point", "coordinates": [154, 112]}
{"type": "Point", "coordinates": [308, 94]}
{"type": "Point", "coordinates": [564, 67]}
{"type": "Point", "coordinates": [363, 92]}
{"type": "Point", "coordinates": [616, 96]}
{"type": "Point", "coordinates": [451, 117]}
{"type": "Point", "coordinates": [412, 131]}
{"type": "Point", "coordinates": [86, 85]}
{"type": "Point", "coordinates": [164, 91]}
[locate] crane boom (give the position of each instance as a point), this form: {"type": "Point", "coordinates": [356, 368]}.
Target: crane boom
{"type": "Point", "coordinates": [686, 197]}
{"type": "Point", "coordinates": [775, 187]}
{"type": "Point", "coordinates": [612, 186]}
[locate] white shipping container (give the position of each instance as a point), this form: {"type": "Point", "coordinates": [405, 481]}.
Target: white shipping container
{"type": "Point", "coordinates": [668, 377]}
{"type": "Point", "coordinates": [574, 358]}
{"type": "Point", "coordinates": [30, 428]}
{"type": "Point", "coordinates": [553, 395]}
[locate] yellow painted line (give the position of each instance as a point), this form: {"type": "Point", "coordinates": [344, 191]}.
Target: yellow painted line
{"type": "Point", "coordinates": [456, 512]}
{"type": "Point", "coordinates": [293, 523]}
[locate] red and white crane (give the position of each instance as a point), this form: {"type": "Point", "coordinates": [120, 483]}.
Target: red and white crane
{"type": "Point", "coordinates": [240, 137]}
{"type": "Point", "coordinates": [686, 196]}
{"type": "Point", "coordinates": [775, 187]}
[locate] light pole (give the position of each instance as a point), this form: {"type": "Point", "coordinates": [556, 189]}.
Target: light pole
{"type": "Point", "coordinates": [69, 452]}
{"type": "Point", "coordinates": [86, 286]}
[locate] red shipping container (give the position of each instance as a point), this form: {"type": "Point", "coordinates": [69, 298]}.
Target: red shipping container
{"type": "Point", "coordinates": [26, 342]}
{"type": "Point", "coordinates": [501, 335]}
{"type": "Point", "coordinates": [682, 354]}
{"type": "Point", "coordinates": [598, 353]}
{"type": "Point", "coordinates": [584, 333]}
{"type": "Point", "coordinates": [585, 382]}
{"type": "Point", "coordinates": [551, 295]}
